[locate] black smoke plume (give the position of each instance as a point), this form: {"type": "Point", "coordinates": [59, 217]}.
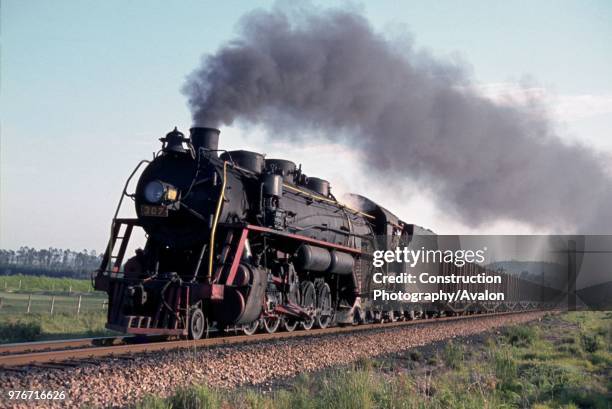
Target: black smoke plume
{"type": "Point", "coordinates": [412, 116]}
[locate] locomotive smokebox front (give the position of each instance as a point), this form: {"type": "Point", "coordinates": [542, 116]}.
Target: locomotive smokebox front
{"type": "Point", "coordinates": [178, 192]}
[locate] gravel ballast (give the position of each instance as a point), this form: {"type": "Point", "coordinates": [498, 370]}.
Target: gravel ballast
{"type": "Point", "coordinates": [118, 382]}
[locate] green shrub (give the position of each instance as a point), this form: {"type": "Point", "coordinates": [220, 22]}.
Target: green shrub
{"type": "Point", "coordinates": [506, 368]}
{"type": "Point", "coordinates": [601, 358]}
{"type": "Point", "coordinates": [416, 356]}
{"type": "Point", "coordinates": [195, 397]}
{"type": "Point", "coordinates": [453, 355]}
{"type": "Point", "coordinates": [348, 390]}
{"type": "Point", "coordinates": [556, 382]}
{"type": "Point", "coordinates": [521, 336]}
{"type": "Point", "coordinates": [590, 342]}
{"type": "Point", "coordinates": [364, 364]}
{"type": "Point", "coordinates": [573, 350]}
{"type": "Point", "coordinates": [19, 331]}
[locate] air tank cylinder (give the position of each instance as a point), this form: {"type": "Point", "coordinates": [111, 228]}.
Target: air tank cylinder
{"type": "Point", "coordinates": [341, 263]}
{"type": "Point", "coordinates": [311, 258]}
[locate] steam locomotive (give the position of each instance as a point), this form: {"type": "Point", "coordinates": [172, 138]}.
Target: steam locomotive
{"type": "Point", "coordinates": [235, 240]}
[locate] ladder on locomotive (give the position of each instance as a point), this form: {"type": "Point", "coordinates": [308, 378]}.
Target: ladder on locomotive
{"type": "Point", "coordinates": [111, 263]}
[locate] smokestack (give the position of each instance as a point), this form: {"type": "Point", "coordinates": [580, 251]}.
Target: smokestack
{"type": "Point", "coordinates": [205, 138]}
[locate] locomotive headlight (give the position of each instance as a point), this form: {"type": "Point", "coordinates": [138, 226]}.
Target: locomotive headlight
{"type": "Point", "coordinates": [154, 192]}
{"type": "Point", "coordinates": [171, 194]}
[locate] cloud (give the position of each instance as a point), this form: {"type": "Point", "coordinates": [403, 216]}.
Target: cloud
{"type": "Point", "coordinates": [563, 107]}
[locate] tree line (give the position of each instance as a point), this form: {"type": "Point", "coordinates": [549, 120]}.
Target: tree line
{"type": "Point", "coordinates": [52, 262]}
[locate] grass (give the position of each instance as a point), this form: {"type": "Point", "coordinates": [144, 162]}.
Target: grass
{"type": "Point", "coordinates": [31, 283]}
{"type": "Point", "coordinates": [39, 327]}
{"type": "Point", "coordinates": [453, 355]}
{"type": "Point", "coordinates": [562, 362]}
{"type": "Point", "coordinates": [194, 397]}
{"type": "Point", "coordinates": [521, 336]}
{"type": "Point", "coordinates": [40, 293]}
{"type": "Point", "coordinates": [16, 325]}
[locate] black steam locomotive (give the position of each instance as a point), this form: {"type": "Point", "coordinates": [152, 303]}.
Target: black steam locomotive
{"type": "Point", "coordinates": [238, 241]}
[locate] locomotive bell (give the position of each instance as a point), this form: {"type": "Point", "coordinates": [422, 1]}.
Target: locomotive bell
{"type": "Point", "coordinates": [173, 142]}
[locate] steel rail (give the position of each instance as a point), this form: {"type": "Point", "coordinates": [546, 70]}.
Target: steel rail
{"type": "Point", "coordinates": [22, 347]}
{"type": "Point", "coordinates": [53, 345]}
{"type": "Point", "coordinates": [41, 357]}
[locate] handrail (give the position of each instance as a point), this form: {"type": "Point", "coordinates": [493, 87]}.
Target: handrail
{"type": "Point", "coordinates": [127, 182]}
{"type": "Point", "coordinates": [213, 230]}
{"type": "Point", "coordinates": [324, 199]}
{"type": "Point", "coordinates": [109, 247]}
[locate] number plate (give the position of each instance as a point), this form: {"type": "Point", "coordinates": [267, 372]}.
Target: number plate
{"type": "Point", "coordinates": [153, 211]}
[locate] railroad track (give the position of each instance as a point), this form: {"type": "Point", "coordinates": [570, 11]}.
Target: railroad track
{"type": "Point", "coordinates": [69, 353]}
{"type": "Point", "coordinates": [77, 343]}
{"type": "Point", "coordinates": [29, 347]}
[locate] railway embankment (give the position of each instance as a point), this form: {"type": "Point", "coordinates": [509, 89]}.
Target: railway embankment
{"type": "Point", "coordinates": [124, 381]}
{"type": "Point", "coordinates": [558, 361]}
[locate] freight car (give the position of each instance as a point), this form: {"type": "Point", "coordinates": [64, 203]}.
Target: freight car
{"type": "Point", "coordinates": [236, 240]}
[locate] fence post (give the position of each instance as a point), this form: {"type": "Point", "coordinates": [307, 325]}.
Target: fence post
{"type": "Point", "coordinates": [79, 306]}
{"type": "Point", "coordinates": [52, 305]}
{"type": "Point", "coordinates": [70, 290]}
{"type": "Point", "coordinates": [29, 303]}
{"type": "Point", "coordinates": [20, 284]}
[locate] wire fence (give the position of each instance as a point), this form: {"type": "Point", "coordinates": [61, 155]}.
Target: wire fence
{"type": "Point", "coordinates": [36, 303]}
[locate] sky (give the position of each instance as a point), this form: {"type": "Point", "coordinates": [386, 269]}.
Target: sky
{"type": "Point", "coordinates": [87, 88]}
